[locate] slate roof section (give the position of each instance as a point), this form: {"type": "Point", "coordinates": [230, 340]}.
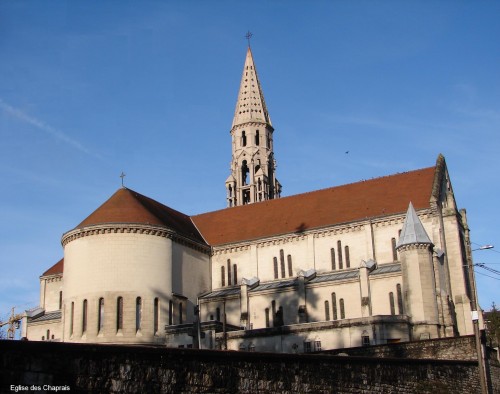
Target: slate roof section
{"type": "Point", "coordinates": [335, 276]}
{"type": "Point", "coordinates": [56, 269]}
{"type": "Point", "coordinates": [336, 205]}
{"type": "Point", "coordinates": [386, 269]}
{"type": "Point", "coordinates": [56, 315]}
{"type": "Point", "coordinates": [128, 206]}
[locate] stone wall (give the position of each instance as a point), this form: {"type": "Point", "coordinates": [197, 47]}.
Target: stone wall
{"type": "Point", "coordinates": [112, 368]}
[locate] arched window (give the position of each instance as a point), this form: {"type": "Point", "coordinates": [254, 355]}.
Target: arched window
{"type": "Point", "coordinates": [48, 335]}
{"type": "Point", "coordinates": [217, 314]}
{"type": "Point", "coordinates": [399, 296]}
{"type": "Point", "coordinates": [273, 309]}
{"type": "Point", "coordinates": [347, 257]}
{"type": "Point", "coordinates": [235, 273]}
{"type": "Point", "coordinates": [60, 300]}
{"type": "Point", "coordinates": [267, 318]}
{"type": "Point", "coordinates": [84, 317]}
{"type": "Point", "coordinates": [170, 312]}
{"type": "Point", "coordinates": [138, 313]}
{"type": "Point", "coordinates": [327, 310]}
{"type": "Point", "coordinates": [243, 138]}
{"type": "Point", "coordinates": [290, 270]}
{"type": "Point", "coordinates": [282, 263]}
{"type": "Point", "coordinates": [391, 303]}
{"type": "Point", "coordinates": [180, 313]}
{"type": "Point", "coordinates": [342, 310]}
{"type": "Point", "coordinates": [275, 261]}
{"type": "Point", "coordinates": [119, 313]}
{"type": "Point", "coordinates": [394, 251]}
{"type": "Point", "coordinates": [222, 276]}
{"type": "Point", "coordinates": [257, 138]}
{"type": "Point", "coordinates": [229, 272]}
{"type": "Point", "coordinates": [72, 318]}
{"type": "Point", "coordinates": [332, 254]}
{"type": "Point", "coordinates": [100, 315]}
{"type": "Point", "coordinates": [339, 250]}
{"type": "Point", "coordinates": [156, 315]}
{"type": "Point", "coordinates": [244, 173]}
{"type": "Point", "coordinates": [334, 306]}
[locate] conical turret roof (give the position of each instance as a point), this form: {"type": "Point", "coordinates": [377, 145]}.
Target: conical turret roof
{"type": "Point", "coordinates": [413, 231]}
{"type": "Point", "coordinates": [250, 106]}
{"type": "Point", "coordinates": [128, 206]}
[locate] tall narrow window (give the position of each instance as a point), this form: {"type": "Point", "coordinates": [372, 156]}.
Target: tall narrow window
{"type": "Point", "coordinates": [156, 315]}
{"type": "Point", "coordinates": [243, 139]}
{"type": "Point", "coordinates": [244, 173]}
{"type": "Point", "coordinates": [394, 251]}
{"type": "Point", "coordinates": [267, 318]}
{"type": "Point", "coordinates": [332, 254]}
{"type": "Point", "coordinates": [217, 314]}
{"type": "Point", "coordinates": [290, 271]}
{"type": "Point", "coordinates": [222, 276]}
{"type": "Point", "coordinates": [170, 312]}
{"type": "Point", "coordinates": [347, 257]}
{"type": "Point", "coordinates": [229, 272]}
{"type": "Point", "coordinates": [71, 322]}
{"type": "Point", "coordinates": [399, 295]}
{"type": "Point", "coordinates": [273, 309]}
{"type": "Point", "coordinates": [391, 303]}
{"type": "Point", "coordinates": [327, 310]}
{"type": "Point", "coordinates": [84, 317]}
{"type": "Point", "coordinates": [138, 313]}
{"type": "Point", "coordinates": [60, 300]}
{"type": "Point", "coordinates": [119, 313]}
{"type": "Point", "coordinates": [339, 250]}
{"type": "Point", "coordinates": [334, 306]}
{"type": "Point", "coordinates": [257, 138]}
{"type": "Point", "coordinates": [275, 261]}
{"type": "Point", "coordinates": [100, 315]}
{"type": "Point", "coordinates": [235, 273]}
{"type": "Point", "coordinates": [342, 310]}
{"type": "Point", "coordinates": [282, 263]}
{"type": "Point", "coordinates": [180, 313]}
{"type": "Point", "coordinates": [280, 317]}
{"type": "Point", "coordinates": [48, 335]}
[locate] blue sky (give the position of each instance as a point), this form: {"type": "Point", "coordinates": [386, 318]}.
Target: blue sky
{"type": "Point", "coordinates": [91, 88]}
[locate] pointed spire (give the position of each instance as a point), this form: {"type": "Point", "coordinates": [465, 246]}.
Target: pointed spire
{"type": "Point", "coordinates": [250, 106]}
{"type": "Point", "coordinates": [413, 231]}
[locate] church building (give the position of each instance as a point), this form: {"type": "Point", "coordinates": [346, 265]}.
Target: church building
{"type": "Point", "coordinates": [372, 262]}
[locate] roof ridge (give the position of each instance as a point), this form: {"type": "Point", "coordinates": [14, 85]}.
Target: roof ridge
{"type": "Point", "coordinates": [318, 190]}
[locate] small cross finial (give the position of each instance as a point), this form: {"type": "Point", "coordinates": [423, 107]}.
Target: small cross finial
{"type": "Point", "coordinates": [122, 175]}
{"type": "Point", "coordinates": [248, 36]}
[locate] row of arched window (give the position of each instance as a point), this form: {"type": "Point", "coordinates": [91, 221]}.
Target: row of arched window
{"type": "Point", "coordinates": [334, 308]}
{"type": "Point", "coordinates": [338, 258]}
{"type": "Point", "coordinates": [399, 298]}
{"type": "Point", "coordinates": [119, 315]}
{"type": "Point", "coordinates": [244, 139]}
{"type": "Point", "coordinates": [232, 274]}
{"type": "Point", "coordinates": [282, 268]}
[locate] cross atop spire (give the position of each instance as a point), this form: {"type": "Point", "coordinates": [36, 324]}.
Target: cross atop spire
{"type": "Point", "coordinates": [248, 36]}
{"type": "Point", "coordinates": [122, 175]}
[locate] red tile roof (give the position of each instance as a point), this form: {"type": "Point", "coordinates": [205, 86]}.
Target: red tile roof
{"type": "Point", "coordinates": [57, 268]}
{"type": "Point", "coordinates": [128, 206]}
{"type": "Point", "coordinates": [342, 204]}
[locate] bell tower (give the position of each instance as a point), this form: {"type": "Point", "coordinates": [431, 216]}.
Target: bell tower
{"type": "Point", "coordinates": [253, 167]}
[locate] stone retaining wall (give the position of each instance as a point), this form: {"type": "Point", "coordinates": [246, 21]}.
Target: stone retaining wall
{"type": "Point", "coordinates": [128, 369]}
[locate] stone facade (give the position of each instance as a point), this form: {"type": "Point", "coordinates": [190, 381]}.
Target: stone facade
{"type": "Point", "coordinates": [333, 268]}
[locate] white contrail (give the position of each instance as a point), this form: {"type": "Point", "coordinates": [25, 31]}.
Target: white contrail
{"type": "Point", "coordinates": [43, 126]}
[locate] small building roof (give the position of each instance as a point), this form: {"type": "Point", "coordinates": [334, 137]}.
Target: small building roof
{"type": "Point", "coordinates": [128, 206]}
{"type": "Point", "coordinates": [56, 269]}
